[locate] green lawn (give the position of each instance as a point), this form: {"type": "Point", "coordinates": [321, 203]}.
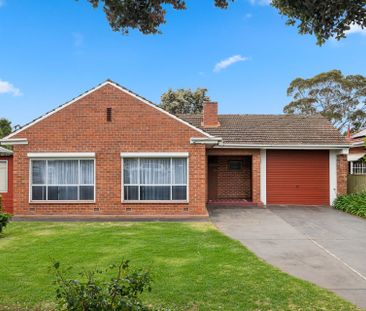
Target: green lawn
{"type": "Point", "coordinates": [194, 266]}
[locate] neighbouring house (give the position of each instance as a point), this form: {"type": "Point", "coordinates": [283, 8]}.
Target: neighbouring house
{"type": "Point", "coordinates": [112, 152]}
{"type": "Point", "coordinates": [6, 179]}
{"type": "Point", "coordinates": [357, 152]}
{"type": "Point", "coordinates": [357, 163]}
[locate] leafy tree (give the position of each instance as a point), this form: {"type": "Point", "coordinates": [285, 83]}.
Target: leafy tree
{"type": "Point", "coordinates": [325, 18]}
{"type": "Point", "coordinates": [5, 127]}
{"type": "Point", "coordinates": [341, 99]}
{"type": "Point", "coordinates": [184, 100]}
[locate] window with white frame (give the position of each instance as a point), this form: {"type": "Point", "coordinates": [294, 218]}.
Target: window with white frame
{"type": "Point", "coordinates": [62, 180]}
{"type": "Point", "coordinates": [155, 179]}
{"type": "Point", "coordinates": [3, 176]}
{"type": "Point", "coordinates": [358, 167]}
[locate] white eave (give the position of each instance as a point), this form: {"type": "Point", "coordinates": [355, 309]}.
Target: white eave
{"type": "Point", "coordinates": [13, 141]}
{"type": "Point", "coordinates": [355, 156]}
{"type": "Point", "coordinates": [206, 140]}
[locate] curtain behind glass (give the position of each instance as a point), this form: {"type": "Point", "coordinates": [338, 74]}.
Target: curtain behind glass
{"type": "Point", "coordinates": [39, 172]}
{"type": "Point", "coordinates": [63, 172]}
{"type": "Point", "coordinates": [179, 171]}
{"type": "Point", "coordinates": [87, 172]}
{"type": "Point", "coordinates": [130, 171]}
{"type": "Point", "coordinates": [155, 171]}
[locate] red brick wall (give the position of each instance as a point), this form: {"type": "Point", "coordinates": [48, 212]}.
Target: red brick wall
{"type": "Point", "coordinates": [8, 196]}
{"type": "Point", "coordinates": [135, 127]}
{"type": "Point", "coordinates": [342, 173]}
{"type": "Point", "coordinates": [234, 184]}
{"type": "Point", "coordinates": [255, 171]}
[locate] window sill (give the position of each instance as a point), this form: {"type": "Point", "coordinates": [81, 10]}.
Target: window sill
{"type": "Point", "coordinates": [62, 202]}
{"type": "Point", "coordinates": [154, 202]}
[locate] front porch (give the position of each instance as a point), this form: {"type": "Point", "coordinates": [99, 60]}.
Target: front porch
{"type": "Point", "coordinates": [233, 178]}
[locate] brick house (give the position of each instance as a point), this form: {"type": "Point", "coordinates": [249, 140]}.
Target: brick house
{"type": "Point", "coordinates": [112, 152]}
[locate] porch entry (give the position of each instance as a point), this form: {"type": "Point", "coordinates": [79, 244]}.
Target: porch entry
{"type": "Point", "coordinates": [229, 178]}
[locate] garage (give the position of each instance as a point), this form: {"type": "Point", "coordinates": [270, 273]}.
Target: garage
{"type": "Point", "coordinates": [298, 177]}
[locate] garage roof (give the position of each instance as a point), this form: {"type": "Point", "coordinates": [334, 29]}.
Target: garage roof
{"type": "Point", "coordinates": [272, 129]}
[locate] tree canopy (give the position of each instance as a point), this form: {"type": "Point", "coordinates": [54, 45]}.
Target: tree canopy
{"type": "Point", "coordinates": [341, 99]}
{"type": "Point", "coordinates": [5, 127]}
{"type": "Point", "coordinates": [324, 19]}
{"type": "Point", "coordinates": [184, 101]}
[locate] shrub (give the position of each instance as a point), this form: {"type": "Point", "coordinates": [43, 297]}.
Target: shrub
{"type": "Point", "coordinates": [4, 217]}
{"type": "Point", "coordinates": [93, 293]}
{"type": "Point", "coordinates": [353, 203]}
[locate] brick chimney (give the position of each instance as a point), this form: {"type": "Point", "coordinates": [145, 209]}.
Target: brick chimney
{"type": "Point", "coordinates": [210, 117]}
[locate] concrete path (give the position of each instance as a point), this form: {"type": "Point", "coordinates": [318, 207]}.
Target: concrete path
{"type": "Point", "coordinates": [318, 244]}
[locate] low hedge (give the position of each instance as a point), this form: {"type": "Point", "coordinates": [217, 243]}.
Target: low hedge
{"type": "Point", "coordinates": [352, 203]}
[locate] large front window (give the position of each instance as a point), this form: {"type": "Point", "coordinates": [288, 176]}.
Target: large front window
{"type": "Point", "coordinates": [62, 180]}
{"type": "Point", "coordinates": [155, 179]}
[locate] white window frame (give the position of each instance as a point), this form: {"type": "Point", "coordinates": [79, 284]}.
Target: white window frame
{"type": "Point", "coordinates": [155, 155]}
{"type": "Point", "coordinates": [355, 170]}
{"type": "Point", "coordinates": [40, 158]}
{"type": "Point", "coordinates": [7, 176]}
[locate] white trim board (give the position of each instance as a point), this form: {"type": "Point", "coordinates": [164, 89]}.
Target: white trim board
{"type": "Point", "coordinates": [154, 154]}
{"type": "Point", "coordinates": [332, 176]}
{"type": "Point", "coordinates": [108, 82]}
{"type": "Point", "coordinates": [61, 155]}
{"type": "Point", "coordinates": [263, 176]}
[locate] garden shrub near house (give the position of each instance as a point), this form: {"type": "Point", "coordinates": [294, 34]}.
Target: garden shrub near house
{"type": "Point", "coordinates": [4, 217]}
{"type": "Point", "coordinates": [92, 292]}
{"type": "Point", "coordinates": [352, 203]}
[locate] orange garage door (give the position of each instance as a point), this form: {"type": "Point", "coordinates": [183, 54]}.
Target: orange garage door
{"type": "Point", "coordinates": [298, 177]}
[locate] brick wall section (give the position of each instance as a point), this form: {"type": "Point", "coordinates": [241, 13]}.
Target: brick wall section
{"type": "Point", "coordinates": [234, 184]}
{"type": "Point", "coordinates": [8, 196]}
{"type": "Point", "coordinates": [210, 115]}
{"type": "Point", "coordinates": [136, 127]}
{"type": "Point", "coordinates": [255, 155]}
{"type": "Point", "coordinates": [342, 173]}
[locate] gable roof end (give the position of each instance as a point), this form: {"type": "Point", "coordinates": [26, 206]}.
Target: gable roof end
{"type": "Point", "coordinates": [116, 85]}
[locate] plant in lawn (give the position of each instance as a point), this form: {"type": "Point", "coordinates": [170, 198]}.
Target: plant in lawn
{"type": "Point", "coordinates": [353, 203]}
{"type": "Point", "coordinates": [4, 217]}
{"type": "Point", "coordinates": [91, 293]}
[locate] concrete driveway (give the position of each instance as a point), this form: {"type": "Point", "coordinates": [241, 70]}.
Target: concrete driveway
{"type": "Point", "coordinates": [318, 244]}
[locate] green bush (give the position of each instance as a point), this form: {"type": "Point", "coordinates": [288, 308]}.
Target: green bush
{"type": "Point", "coordinates": [4, 217]}
{"type": "Point", "coordinates": [93, 293]}
{"type": "Point", "coordinates": [353, 203]}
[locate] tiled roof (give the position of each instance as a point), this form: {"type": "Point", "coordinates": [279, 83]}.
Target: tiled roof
{"type": "Point", "coordinates": [272, 129]}
{"type": "Point", "coordinates": [359, 134]}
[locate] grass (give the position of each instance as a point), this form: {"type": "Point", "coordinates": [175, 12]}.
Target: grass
{"type": "Point", "coordinates": [194, 266]}
{"type": "Point", "coordinates": [352, 203]}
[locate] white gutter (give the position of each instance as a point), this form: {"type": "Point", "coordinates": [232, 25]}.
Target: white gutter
{"type": "Point", "coordinates": [283, 146]}
{"type": "Point", "coordinates": [358, 144]}
{"type": "Point", "coordinates": [14, 141]}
